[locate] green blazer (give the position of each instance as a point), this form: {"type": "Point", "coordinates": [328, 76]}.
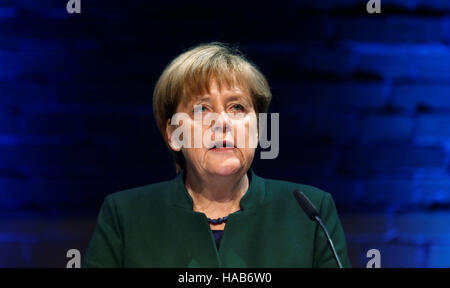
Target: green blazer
{"type": "Point", "coordinates": [155, 226]}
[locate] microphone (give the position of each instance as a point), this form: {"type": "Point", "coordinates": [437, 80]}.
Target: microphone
{"type": "Point", "coordinates": [314, 215]}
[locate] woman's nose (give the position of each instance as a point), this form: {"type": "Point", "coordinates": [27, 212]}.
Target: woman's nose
{"type": "Point", "coordinates": [222, 122]}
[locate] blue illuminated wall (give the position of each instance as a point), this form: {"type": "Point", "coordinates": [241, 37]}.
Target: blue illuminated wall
{"type": "Point", "coordinates": [364, 103]}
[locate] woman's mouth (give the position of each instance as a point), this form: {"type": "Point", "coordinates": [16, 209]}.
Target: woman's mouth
{"type": "Point", "coordinates": [222, 149]}
{"type": "Point", "coordinates": [224, 146]}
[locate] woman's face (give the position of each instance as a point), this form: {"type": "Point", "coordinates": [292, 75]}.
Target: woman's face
{"type": "Point", "coordinates": [222, 117]}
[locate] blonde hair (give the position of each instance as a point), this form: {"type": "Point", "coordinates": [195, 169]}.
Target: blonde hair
{"type": "Point", "coordinates": [190, 74]}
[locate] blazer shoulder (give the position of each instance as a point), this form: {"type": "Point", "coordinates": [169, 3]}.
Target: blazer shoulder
{"type": "Point", "coordinates": [283, 190]}
{"type": "Point", "coordinates": [155, 194]}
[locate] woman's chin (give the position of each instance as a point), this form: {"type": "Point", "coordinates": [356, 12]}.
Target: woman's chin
{"type": "Point", "coordinates": [225, 170]}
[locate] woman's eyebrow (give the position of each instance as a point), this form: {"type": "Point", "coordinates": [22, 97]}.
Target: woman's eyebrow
{"type": "Point", "coordinates": [228, 98]}
{"type": "Point", "coordinates": [235, 97]}
{"type": "Point", "coordinates": [203, 98]}
{"type": "Point", "coordinates": [238, 97]}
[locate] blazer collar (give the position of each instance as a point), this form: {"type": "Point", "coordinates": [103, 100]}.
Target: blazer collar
{"type": "Point", "coordinates": [254, 196]}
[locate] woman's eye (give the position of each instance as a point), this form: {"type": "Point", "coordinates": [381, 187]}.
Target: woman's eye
{"type": "Point", "coordinates": [238, 107]}
{"type": "Point", "coordinates": [199, 108]}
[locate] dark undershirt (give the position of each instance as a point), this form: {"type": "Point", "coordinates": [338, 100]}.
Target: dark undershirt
{"type": "Point", "coordinates": [218, 236]}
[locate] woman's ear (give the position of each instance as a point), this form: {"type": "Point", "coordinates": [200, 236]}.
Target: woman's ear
{"type": "Point", "coordinates": [169, 131]}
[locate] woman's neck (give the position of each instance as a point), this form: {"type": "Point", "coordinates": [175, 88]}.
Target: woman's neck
{"type": "Point", "coordinates": [215, 195]}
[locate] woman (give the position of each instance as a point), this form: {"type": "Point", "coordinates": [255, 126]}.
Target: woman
{"type": "Point", "coordinates": [216, 212]}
